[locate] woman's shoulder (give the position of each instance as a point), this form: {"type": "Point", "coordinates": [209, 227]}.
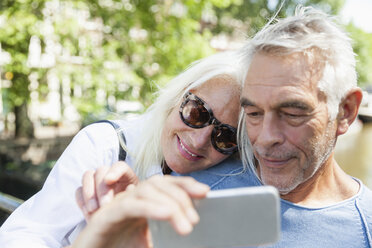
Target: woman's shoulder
{"type": "Point", "coordinates": [104, 134]}
{"type": "Point", "coordinates": [96, 143]}
{"type": "Point", "coordinates": [98, 133]}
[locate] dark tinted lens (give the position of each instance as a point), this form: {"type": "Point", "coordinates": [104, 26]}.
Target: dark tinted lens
{"type": "Point", "coordinates": [195, 114]}
{"type": "Point", "coordinates": [225, 138]}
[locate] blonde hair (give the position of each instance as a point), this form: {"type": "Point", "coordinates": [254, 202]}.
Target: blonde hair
{"type": "Point", "coordinates": [148, 152]}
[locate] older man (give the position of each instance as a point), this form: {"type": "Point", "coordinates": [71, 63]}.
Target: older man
{"type": "Point", "coordinates": [299, 95]}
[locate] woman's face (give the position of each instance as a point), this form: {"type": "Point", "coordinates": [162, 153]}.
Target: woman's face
{"type": "Point", "coordinates": [188, 149]}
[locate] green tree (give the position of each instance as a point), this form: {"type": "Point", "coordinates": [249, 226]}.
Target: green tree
{"type": "Point", "coordinates": [362, 45]}
{"type": "Point", "coordinates": [18, 26]}
{"type": "Point", "coordinates": [248, 17]}
{"type": "Point", "coordinates": [124, 49]}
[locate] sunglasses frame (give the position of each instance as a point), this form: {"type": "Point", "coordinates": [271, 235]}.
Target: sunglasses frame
{"type": "Point", "coordinates": [212, 121]}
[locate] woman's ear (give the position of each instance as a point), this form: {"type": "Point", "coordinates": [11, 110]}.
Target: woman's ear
{"type": "Point", "coordinates": [348, 110]}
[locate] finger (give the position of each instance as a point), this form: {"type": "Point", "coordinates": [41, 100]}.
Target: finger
{"type": "Point", "coordinates": [149, 238]}
{"type": "Point", "coordinates": [121, 171]}
{"type": "Point", "coordinates": [178, 217]}
{"type": "Point", "coordinates": [177, 193]}
{"type": "Point", "coordinates": [80, 201]}
{"type": "Point", "coordinates": [104, 193]}
{"type": "Point", "coordinates": [89, 192]}
{"type": "Point", "coordinates": [194, 188]}
{"type": "Point", "coordinates": [130, 187]}
{"type": "Point", "coordinates": [136, 204]}
{"type": "Point", "coordinates": [127, 205]}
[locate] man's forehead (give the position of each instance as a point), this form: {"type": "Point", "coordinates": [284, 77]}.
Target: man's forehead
{"type": "Point", "coordinates": [277, 96]}
{"type": "Point", "coordinates": [283, 88]}
{"type": "Point", "coordinates": [272, 70]}
{"type": "Point", "coordinates": [277, 103]}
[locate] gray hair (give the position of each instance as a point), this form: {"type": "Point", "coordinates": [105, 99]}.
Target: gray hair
{"type": "Point", "coordinates": [312, 33]}
{"type": "Point", "coordinates": [149, 152]}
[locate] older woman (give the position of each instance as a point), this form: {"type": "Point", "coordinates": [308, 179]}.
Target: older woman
{"type": "Point", "coordinates": [192, 126]}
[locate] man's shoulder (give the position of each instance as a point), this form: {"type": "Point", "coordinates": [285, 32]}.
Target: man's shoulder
{"type": "Point", "coordinates": [367, 191]}
{"type": "Point", "coordinates": [344, 224]}
{"type": "Point", "coordinates": [365, 208]}
{"type": "Point", "coordinates": [365, 199]}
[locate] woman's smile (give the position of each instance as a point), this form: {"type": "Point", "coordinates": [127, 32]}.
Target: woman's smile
{"type": "Point", "coordinates": [185, 151]}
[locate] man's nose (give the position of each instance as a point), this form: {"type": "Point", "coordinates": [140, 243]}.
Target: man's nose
{"type": "Point", "coordinates": [271, 132]}
{"type": "Point", "coordinates": [201, 137]}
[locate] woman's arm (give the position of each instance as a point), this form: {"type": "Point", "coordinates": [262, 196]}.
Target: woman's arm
{"type": "Point", "coordinates": [46, 219]}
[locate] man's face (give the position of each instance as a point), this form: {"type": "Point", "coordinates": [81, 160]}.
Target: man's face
{"type": "Point", "coordinates": [287, 119]}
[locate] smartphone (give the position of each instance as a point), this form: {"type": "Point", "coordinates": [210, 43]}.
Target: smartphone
{"type": "Point", "coordinates": [238, 217]}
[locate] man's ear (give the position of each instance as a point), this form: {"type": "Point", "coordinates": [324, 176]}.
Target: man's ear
{"type": "Point", "coordinates": [348, 110]}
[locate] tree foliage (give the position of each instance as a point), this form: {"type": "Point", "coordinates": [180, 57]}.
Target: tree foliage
{"type": "Point", "coordinates": [362, 45]}
{"type": "Point", "coordinates": [18, 25]}
{"type": "Point", "coordinates": [101, 51]}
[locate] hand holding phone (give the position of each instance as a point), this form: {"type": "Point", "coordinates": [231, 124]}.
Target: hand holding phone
{"type": "Point", "coordinates": [228, 218]}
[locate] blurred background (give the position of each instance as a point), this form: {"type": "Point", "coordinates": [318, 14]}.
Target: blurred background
{"type": "Point", "coordinates": [67, 63]}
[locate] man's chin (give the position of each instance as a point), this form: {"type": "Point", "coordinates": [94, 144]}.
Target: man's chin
{"type": "Point", "coordinates": [283, 189]}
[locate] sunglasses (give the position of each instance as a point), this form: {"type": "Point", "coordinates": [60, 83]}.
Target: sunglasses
{"type": "Point", "coordinates": [195, 113]}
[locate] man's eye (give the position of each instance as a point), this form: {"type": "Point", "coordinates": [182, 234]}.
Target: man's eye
{"type": "Point", "coordinates": [294, 119]}
{"type": "Point", "coordinates": [253, 114]}
{"type": "Point", "coordinates": [293, 115]}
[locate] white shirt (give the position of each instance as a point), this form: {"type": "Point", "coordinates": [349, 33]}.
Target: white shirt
{"type": "Point", "coordinates": [52, 218]}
